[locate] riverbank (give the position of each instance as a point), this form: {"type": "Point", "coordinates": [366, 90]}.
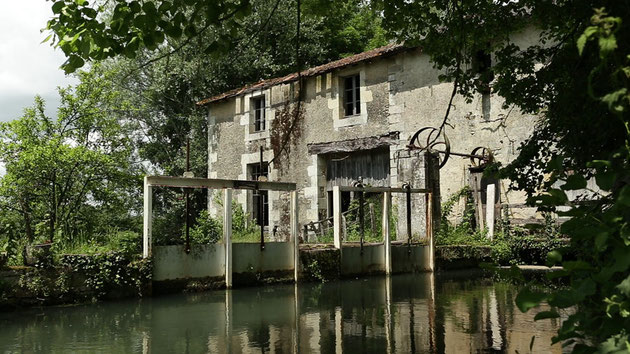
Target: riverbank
{"type": "Point", "coordinates": [110, 276]}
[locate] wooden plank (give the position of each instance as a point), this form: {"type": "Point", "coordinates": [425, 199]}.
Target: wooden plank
{"type": "Point", "coordinates": [337, 216]}
{"type": "Point", "coordinates": [351, 145]}
{"type": "Point", "coordinates": [185, 182]}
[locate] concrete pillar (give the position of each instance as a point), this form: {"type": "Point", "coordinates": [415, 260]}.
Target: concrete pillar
{"type": "Point", "coordinates": [387, 200]}
{"type": "Point", "coordinates": [228, 321]}
{"type": "Point", "coordinates": [338, 330]}
{"type": "Point", "coordinates": [430, 224]}
{"type": "Point", "coordinates": [148, 219]}
{"type": "Point", "coordinates": [490, 195]}
{"type": "Point", "coordinates": [295, 235]}
{"type": "Point", "coordinates": [227, 235]}
{"type": "Point", "coordinates": [337, 216]}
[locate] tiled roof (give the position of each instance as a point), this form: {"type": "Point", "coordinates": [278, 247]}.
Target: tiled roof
{"type": "Point", "coordinates": [318, 70]}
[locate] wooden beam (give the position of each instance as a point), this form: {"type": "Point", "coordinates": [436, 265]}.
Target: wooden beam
{"type": "Point", "coordinates": [369, 143]}
{"type": "Point", "coordinates": [185, 182]}
{"type": "Point", "coordinates": [382, 189]}
{"type": "Point", "coordinates": [337, 216]}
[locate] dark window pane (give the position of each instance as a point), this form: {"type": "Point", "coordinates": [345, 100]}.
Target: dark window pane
{"type": "Point", "coordinates": [349, 109]}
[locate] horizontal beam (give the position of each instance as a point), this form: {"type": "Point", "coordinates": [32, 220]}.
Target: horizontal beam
{"type": "Point", "coordinates": [382, 189]}
{"type": "Point", "coordinates": [187, 182]}
{"type": "Point", "coordinates": [354, 145]}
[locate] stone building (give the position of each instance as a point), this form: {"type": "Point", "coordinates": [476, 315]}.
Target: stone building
{"type": "Point", "coordinates": [357, 116]}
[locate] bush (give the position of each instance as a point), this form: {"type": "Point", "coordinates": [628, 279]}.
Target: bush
{"type": "Point", "coordinates": [207, 230]}
{"type": "Point", "coordinates": [128, 243]}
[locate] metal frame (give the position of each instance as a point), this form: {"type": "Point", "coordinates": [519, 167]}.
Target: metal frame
{"type": "Point", "coordinates": [228, 185]}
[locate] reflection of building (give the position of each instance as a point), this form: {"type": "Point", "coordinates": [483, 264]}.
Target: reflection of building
{"type": "Point", "coordinates": [400, 314]}
{"type": "Point", "coordinates": [357, 117]}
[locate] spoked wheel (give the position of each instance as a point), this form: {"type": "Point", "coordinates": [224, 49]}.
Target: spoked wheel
{"type": "Point", "coordinates": [481, 156]}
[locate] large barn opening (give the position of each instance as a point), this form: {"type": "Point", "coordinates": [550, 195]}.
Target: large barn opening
{"type": "Point", "coordinates": [345, 169]}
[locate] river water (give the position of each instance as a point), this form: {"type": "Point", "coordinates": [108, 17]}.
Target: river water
{"type": "Point", "coordinates": [422, 313]}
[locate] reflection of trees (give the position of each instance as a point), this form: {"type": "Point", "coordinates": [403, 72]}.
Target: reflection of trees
{"type": "Point", "coordinates": [472, 313]}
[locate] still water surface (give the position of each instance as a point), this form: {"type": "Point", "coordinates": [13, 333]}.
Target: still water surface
{"type": "Point", "coordinates": [422, 313]}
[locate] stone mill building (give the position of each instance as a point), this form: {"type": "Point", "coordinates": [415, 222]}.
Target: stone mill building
{"type": "Point", "coordinates": [356, 117]}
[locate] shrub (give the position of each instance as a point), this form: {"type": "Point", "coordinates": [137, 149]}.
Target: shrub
{"type": "Point", "coordinates": [207, 230]}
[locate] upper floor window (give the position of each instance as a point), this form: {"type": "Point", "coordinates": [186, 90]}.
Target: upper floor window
{"type": "Point", "coordinates": [259, 113]}
{"type": "Point", "coordinates": [351, 95]}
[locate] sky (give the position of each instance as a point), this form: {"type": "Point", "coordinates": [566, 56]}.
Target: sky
{"type": "Point", "coordinates": [27, 68]}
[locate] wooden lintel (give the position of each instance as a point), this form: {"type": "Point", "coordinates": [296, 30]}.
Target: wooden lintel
{"type": "Point", "coordinates": [185, 182]}
{"type": "Point", "coordinates": [382, 189]}
{"type": "Point", "coordinates": [369, 143]}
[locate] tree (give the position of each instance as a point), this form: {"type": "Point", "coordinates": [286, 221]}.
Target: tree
{"type": "Point", "coordinates": [64, 174]}
{"type": "Point", "coordinates": [164, 84]}
{"type": "Point", "coordinates": [575, 76]}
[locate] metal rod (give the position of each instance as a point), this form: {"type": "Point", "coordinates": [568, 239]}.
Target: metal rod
{"type": "Point", "coordinates": [187, 194]}
{"type": "Point", "coordinates": [481, 157]}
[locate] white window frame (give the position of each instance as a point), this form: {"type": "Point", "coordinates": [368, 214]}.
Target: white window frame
{"type": "Point", "coordinates": [256, 111]}
{"type": "Point", "coordinates": [248, 116]}
{"type": "Point", "coordinates": [354, 90]}
{"type": "Point", "coordinates": [336, 102]}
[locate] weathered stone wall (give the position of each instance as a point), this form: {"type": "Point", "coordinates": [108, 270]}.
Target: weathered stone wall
{"type": "Point", "coordinates": [401, 94]}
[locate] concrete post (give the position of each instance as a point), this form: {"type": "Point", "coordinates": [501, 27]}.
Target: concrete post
{"type": "Point", "coordinates": [295, 235]}
{"type": "Point", "coordinates": [387, 200]}
{"type": "Point", "coordinates": [337, 216]}
{"type": "Point", "coordinates": [490, 192]}
{"type": "Point", "coordinates": [227, 235]}
{"type": "Point", "coordinates": [430, 224]}
{"type": "Point", "coordinates": [148, 219]}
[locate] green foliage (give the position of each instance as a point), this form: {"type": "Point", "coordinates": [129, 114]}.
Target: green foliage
{"type": "Point", "coordinates": [63, 175]}
{"type": "Point", "coordinates": [206, 230]}
{"type": "Point", "coordinates": [512, 245]}
{"type": "Point", "coordinates": [372, 233]}
{"type": "Point", "coordinates": [574, 71]}
{"type": "Point", "coordinates": [106, 272]}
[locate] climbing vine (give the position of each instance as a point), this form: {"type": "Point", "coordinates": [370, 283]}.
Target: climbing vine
{"type": "Point", "coordinates": [286, 131]}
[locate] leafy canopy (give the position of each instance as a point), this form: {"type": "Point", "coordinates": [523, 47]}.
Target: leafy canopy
{"type": "Point", "coordinates": [59, 172]}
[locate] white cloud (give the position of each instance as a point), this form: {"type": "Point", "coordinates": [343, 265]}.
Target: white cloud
{"type": "Point", "coordinates": [27, 68]}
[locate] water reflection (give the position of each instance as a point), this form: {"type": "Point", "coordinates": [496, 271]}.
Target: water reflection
{"type": "Point", "coordinates": [407, 313]}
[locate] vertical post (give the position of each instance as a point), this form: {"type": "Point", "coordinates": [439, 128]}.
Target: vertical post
{"type": "Point", "coordinates": [148, 219]}
{"type": "Point", "coordinates": [187, 194]}
{"type": "Point", "coordinates": [490, 194]}
{"type": "Point", "coordinates": [361, 219]}
{"type": "Point", "coordinates": [228, 321]}
{"type": "Point", "coordinates": [295, 234]}
{"type": "Point", "coordinates": [387, 200]}
{"type": "Point", "coordinates": [227, 235]}
{"type": "Point", "coordinates": [261, 205]}
{"type": "Point", "coordinates": [337, 216]}
{"type": "Point", "coordinates": [430, 231]}
{"type": "Point", "coordinates": [408, 193]}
